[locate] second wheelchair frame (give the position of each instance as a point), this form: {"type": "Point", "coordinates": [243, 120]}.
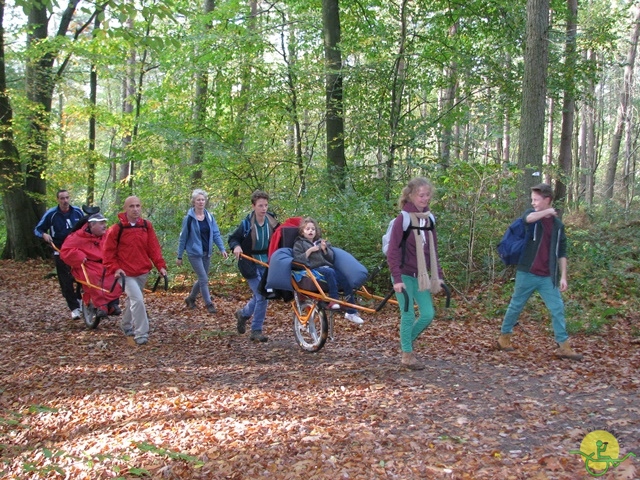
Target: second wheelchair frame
{"type": "Point", "coordinates": [89, 311]}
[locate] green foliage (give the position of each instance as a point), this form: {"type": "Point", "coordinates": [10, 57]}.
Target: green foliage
{"type": "Point", "coordinates": [148, 447]}
{"type": "Point", "coordinates": [263, 124]}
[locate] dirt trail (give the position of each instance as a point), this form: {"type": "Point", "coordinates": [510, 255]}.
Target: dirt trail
{"type": "Point", "coordinates": [200, 401]}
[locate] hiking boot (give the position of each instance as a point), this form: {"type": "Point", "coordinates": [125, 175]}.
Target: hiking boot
{"type": "Point", "coordinates": [241, 321]}
{"type": "Point", "coordinates": [565, 351]}
{"type": "Point", "coordinates": [410, 361]}
{"type": "Point", "coordinates": [257, 336]}
{"type": "Point", "coordinates": [76, 314]}
{"type": "Point", "coordinates": [191, 302]}
{"type": "Point", "coordinates": [354, 317]}
{"type": "Point", "coordinates": [141, 341]}
{"type": "Point", "coordinates": [127, 331]}
{"type": "Point", "coordinates": [101, 314]}
{"type": "Point", "coordinates": [504, 342]}
{"type": "Point", "coordinates": [211, 308]}
{"type": "Point", "coordinates": [114, 308]}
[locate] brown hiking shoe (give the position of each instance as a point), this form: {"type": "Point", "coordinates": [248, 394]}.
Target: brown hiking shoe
{"type": "Point", "coordinates": [565, 351]}
{"type": "Point", "coordinates": [257, 336]}
{"type": "Point", "coordinates": [504, 342]}
{"type": "Point", "coordinates": [241, 321]}
{"type": "Point", "coordinates": [410, 361]}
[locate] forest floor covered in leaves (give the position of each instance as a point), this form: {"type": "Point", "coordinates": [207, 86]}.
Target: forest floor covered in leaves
{"type": "Point", "coordinates": [201, 401]}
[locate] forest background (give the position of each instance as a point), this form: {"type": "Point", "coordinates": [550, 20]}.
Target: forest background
{"type": "Point", "coordinates": [331, 107]}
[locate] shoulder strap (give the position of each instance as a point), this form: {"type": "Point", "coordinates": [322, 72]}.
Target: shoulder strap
{"type": "Point", "coordinates": [407, 227]}
{"type": "Point", "coordinates": [123, 226]}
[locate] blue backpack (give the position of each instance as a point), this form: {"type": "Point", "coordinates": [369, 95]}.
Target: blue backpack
{"type": "Point", "coordinates": [513, 242]}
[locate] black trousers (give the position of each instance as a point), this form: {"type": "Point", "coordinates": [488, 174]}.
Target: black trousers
{"type": "Point", "coordinates": [67, 284]}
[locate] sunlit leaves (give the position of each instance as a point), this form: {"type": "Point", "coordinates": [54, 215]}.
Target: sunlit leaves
{"type": "Point", "coordinates": [195, 405]}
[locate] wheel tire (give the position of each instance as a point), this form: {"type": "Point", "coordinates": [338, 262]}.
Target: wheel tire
{"type": "Point", "coordinates": [312, 336]}
{"type": "Point", "coordinates": [91, 320]}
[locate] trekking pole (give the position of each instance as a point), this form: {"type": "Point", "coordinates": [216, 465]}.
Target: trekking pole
{"type": "Point", "coordinates": [447, 293]}
{"type": "Point", "coordinates": [166, 283]}
{"type": "Point", "coordinates": [115, 282]}
{"type": "Point", "coordinates": [388, 297]}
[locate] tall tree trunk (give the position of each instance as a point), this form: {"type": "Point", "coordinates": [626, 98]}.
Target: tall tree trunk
{"type": "Point", "coordinates": [125, 180]}
{"type": "Point", "coordinates": [447, 97]}
{"type": "Point", "coordinates": [397, 90]}
{"type": "Point", "coordinates": [336, 162]}
{"type": "Point", "coordinates": [19, 215]}
{"type": "Point", "coordinates": [506, 129]}
{"type": "Point", "coordinates": [93, 99]}
{"type": "Point", "coordinates": [623, 108]}
{"type": "Point", "coordinates": [565, 159]}
{"type": "Point", "coordinates": [506, 135]}
{"type": "Point", "coordinates": [289, 49]}
{"type": "Point", "coordinates": [534, 88]}
{"type": "Point", "coordinates": [244, 100]}
{"type": "Point", "coordinates": [200, 107]}
{"type": "Point", "coordinates": [589, 162]}
{"type": "Point", "coordinates": [548, 160]}
{"type": "Point", "coordinates": [629, 170]}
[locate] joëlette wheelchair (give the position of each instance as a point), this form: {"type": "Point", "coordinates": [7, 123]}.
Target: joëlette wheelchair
{"type": "Point", "coordinates": [89, 310]}
{"type": "Point", "coordinates": [313, 320]}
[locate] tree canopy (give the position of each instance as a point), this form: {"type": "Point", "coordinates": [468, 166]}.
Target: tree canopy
{"type": "Point", "coordinates": [231, 96]}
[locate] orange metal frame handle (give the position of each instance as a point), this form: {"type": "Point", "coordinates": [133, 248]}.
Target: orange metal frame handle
{"type": "Point", "coordinates": [322, 296]}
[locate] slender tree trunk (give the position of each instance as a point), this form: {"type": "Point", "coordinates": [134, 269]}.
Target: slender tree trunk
{"type": "Point", "coordinates": [588, 161]}
{"type": "Point", "coordinates": [623, 108]}
{"type": "Point", "coordinates": [125, 180]}
{"type": "Point", "coordinates": [200, 107]}
{"type": "Point", "coordinates": [506, 129]}
{"type": "Point", "coordinates": [336, 162]}
{"type": "Point", "coordinates": [93, 99]}
{"type": "Point", "coordinates": [534, 88]}
{"type": "Point", "coordinates": [288, 46]}
{"type": "Point", "coordinates": [581, 179]}
{"type": "Point", "coordinates": [548, 160]}
{"type": "Point", "coordinates": [397, 90]}
{"type": "Point", "coordinates": [629, 158]}
{"type": "Point", "coordinates": [506, 135]}
{"type": "Point", "coordinates": [565, 159]}
{"type": "Point", "coordinates": [244, 99]}
{"type": "Point", "coordinates": [447, 97]}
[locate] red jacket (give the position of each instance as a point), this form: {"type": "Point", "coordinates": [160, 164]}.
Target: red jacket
{"type": "Point", "coordinates": [135, 249]}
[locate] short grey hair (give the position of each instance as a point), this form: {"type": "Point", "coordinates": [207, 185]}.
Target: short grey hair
{"type": "Point", "coordinates": [196, 192]}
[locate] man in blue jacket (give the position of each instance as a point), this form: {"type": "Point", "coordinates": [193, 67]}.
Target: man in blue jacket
{"type": "Point", "coordinates": [54, 226]}
{"type": "Point", "coordinates": [542, 268]}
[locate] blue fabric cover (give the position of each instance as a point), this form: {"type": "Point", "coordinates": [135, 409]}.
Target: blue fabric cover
{"type": "Point", "coordinates": [279, 274]}
{"type": "Point", "coordinates": [352, 269]}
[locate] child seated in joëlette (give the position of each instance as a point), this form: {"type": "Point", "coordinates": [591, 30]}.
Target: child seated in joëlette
{"type": "Point", "coordinates": [313, 251]}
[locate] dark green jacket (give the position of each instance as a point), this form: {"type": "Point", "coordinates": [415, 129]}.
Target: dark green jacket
{"type": "Point", "coordinates": [558, 246]}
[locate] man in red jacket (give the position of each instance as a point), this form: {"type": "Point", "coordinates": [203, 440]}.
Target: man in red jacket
{"type": "Point", "coordinates": [132, 249]}
{"type": "Point", "coordinates": [82, 251]}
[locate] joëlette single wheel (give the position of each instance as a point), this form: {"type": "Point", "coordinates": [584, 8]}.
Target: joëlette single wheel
{"type": "Point", "coordinates": [91, 320]}
{"type": "Point", "coordinates": [311, 336]}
